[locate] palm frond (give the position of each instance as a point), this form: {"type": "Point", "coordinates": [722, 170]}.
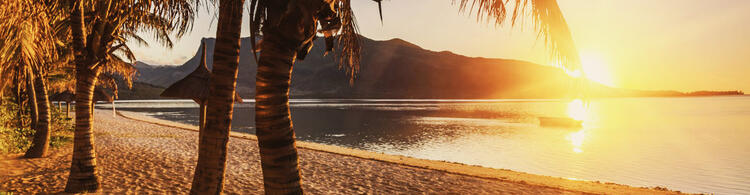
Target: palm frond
{"type": "Point", "coordinates": [343, 30]}
{"type": "Point", "coordinates": [347, 42]}
{"type": "Point", "coordinates": [547, 19]}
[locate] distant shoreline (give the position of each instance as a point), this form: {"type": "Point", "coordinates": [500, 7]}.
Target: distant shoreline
{"type": "Point", "coordinates": [143, 91]}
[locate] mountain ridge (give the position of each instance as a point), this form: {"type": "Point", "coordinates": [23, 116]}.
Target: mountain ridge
{"type": "Point", "coordinates": [396, 68]}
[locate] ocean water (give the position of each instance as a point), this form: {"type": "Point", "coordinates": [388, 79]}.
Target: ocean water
{"type": "Point", "coordinates": [698, 145]}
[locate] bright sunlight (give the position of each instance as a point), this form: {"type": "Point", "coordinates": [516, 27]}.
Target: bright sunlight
{"type": "Point", "coordinates": [577, 110]}
{"type": "Point", "coordinates": [596, 69]}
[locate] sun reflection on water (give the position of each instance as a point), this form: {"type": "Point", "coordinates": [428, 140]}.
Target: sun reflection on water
{"type": "Point", "coordinates": [577, 111]}
{"type": "Point", "coordinates": [576, 139]}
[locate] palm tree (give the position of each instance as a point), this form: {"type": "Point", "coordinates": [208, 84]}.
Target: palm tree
{"type": "Point", "coordinates": [288, 34]}
{"type": "Point", "coordinates": [212, 149]}
{"type": "Point", "coordinates": [41, 125]}
{"type": "Point", "coordinates": [30, 46]}
{"type": "Point", "coordinates": [98, 41]}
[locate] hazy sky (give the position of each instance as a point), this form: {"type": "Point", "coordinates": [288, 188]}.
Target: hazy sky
{"type": "Point", "coordinates": [681, 45]}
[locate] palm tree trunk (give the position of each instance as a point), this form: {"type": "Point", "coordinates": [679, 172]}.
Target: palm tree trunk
{"type": "Point", "coordinates": [67, 109]}
{"type": "Point", "coordinates": [31, 93]}
{"type": "Point", "coordinates": [40, 143]}
{"type": "Point", "coordinates": [212, 149]}
{"type": "Point", "coordinates": [19, 102]}
{"type": "Point", "coordinates": [83, 174]}
{"type": "Point", "coordinates": [273, 124]}
{"type": "Point", "coordinates": [114, 112]}
{"type": "Point", "coordinates": [286, 29]}
{"type": "Point", "coordinates": [201, 119]}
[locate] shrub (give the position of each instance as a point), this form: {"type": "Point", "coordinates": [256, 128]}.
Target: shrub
{"type": "Point", "coordinates": [16, 135]}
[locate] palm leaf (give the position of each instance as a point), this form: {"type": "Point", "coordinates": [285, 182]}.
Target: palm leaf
{"type": "Point", "coordinates": [547, 19]}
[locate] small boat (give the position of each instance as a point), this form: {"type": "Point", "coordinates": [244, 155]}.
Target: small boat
{"type": "Point", "coordinates": [560, 122]}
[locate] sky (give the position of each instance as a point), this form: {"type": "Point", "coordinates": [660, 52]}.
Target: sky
{"type": "Point", "coordinates": [684, 45]}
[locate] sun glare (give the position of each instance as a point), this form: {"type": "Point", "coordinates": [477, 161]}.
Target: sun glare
{"type": "Point", "coordinates": [576, 139]}
{"type": "Point", "coordinates": [576, 110]}
{"type": "Point", "coordinates": [596, 69]}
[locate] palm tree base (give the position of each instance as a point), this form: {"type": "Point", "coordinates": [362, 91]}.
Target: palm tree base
{"type": "Point", "coordinates": [83, 185]}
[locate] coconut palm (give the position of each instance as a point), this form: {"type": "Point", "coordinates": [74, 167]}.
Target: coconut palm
{"type": "Point", "coordinates": [29, 47]}
{"type": "Point", "coordinates": [209, 172]}
{"type": "Point", "coordinates": [100, 31]}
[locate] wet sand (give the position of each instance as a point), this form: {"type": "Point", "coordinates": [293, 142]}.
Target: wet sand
{"type": "Point", "coordinates": [141, 154]}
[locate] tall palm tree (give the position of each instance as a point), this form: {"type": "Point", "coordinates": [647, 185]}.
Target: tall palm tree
{"type": "Point", "coordinates": [212, 149]}
{"type": "Point", "coordinates": [40, 143]}
{"type": "Point", "coordinates": [99, 38]}
{"type": "Point", "coordinates": [30, 45]}
{"type": "Point", "coordinates": [288, 32]}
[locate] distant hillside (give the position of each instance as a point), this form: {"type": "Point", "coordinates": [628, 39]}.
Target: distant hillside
{"type": "Point", "coordinates": [398, 69]}
{"type": "Point", "coordinates": [139, 91]}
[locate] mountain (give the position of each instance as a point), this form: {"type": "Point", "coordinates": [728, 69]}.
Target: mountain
{"type": "Point", "coordinates": [399, 69]}
{"type": "Point", "coordinates": [389, 69]}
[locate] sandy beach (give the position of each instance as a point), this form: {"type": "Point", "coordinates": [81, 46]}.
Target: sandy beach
{"type": "Point", "coordinates": [140, 154]}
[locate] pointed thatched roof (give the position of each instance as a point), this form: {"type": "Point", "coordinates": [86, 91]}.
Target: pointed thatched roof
{"type": "Point", "coordinates": [101, 95]}
{"type": "Point", "coordinates": [195, 85]}
{"type": "Point", "coordinates": [65, 96]}
{"type": "Point", "coordinates": [69, 96]}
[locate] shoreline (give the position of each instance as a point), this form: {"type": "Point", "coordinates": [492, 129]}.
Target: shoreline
{"type": "Point", "coordinates": [141, 154]}
{"type": "Point", "coordinates": [585, 186]}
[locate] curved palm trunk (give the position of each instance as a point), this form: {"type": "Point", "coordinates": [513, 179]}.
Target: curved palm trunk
{"type": "Point", "coordinates": [212, 149]}
{"type": "Point", "coordinates": [278, 154]}
{"type": "Point", "coordinates": [83, 174]}
{"type": "Point", "coordinates": [19, 100]}
{"type": "Point", "coordinates": [40, 142]}
{"type": "Point", "coordinates": [31, 93]}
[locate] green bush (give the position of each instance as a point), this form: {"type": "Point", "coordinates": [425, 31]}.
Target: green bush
{"type": "Point", "coordinates": [15, 134]}
{"type": "Point", "coordinates": [62, 129]}
{"type": "Point", "coordinates": [13, 138]}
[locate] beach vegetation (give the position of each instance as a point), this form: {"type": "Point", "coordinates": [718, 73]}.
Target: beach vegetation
{"type": "Point", "coordinates": [42, 38]}
{"type": "Point", "coordinates": [16, 135]}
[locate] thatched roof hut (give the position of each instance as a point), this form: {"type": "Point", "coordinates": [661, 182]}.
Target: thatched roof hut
{"type": "Point", "coordinates": [69, 96]}
{"type": "Point", "coordinates": [101, 95]}
{"type": "Point", "coordinates": [195, 85]}
{"type": "Point", "coordinates": [65, 96]}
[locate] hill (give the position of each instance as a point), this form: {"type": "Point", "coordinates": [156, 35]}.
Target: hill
{"type": "Point", "coordinates": [399, 69]}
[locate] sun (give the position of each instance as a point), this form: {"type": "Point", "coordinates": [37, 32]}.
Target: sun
{"type": "Point", "coordinates": [595, 68]}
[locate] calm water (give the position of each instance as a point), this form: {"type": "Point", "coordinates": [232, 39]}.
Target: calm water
{"type": "Point", "coordinates": [687, 144]}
